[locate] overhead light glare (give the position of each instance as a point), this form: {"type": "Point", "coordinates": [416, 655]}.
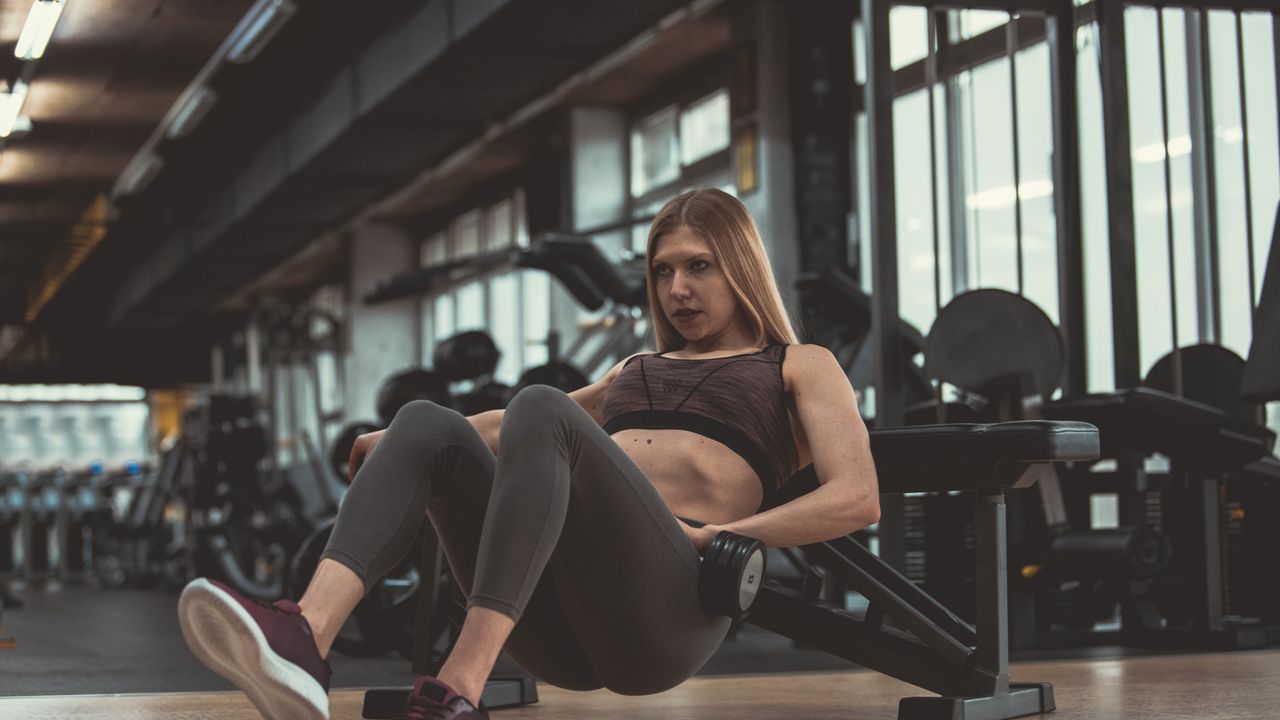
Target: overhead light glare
{"type": "Point", "coordinates": [257, 27]}
{"type": "Point", "coordinates": [191, 112]}
{"type": "Point", "coordinates": [41, 21]}
{"type": "Point", "coordinates": [11, 106]}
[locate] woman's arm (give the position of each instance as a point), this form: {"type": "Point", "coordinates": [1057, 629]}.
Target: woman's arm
{"type": "Point", "coordinates": [848, 495]}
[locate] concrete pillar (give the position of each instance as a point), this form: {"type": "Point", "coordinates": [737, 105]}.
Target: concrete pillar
{"type": "Point", "coordinates": [761, 131]}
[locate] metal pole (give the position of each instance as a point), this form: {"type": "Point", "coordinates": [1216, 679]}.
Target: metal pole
{"type": "Point", "coordinates": [955, 168]}
{"type": "Point", "coordinates": [1115, 116]}
{"type": "Point", "coordinates": [931, 79]}
{"type": "Point", "coordinates": [1011, 48]}
{"type": "Point", "coordinates": [1248, 186]}
{"type": "Point", "coordinates": [1168, 205]}
{"type": "Point", "coordinates": [886, 327]}
{"type": "Point", "coordinates": [1211, 178]}
{"type": "Point", "coordinates": [1201, 182]}
{"type": "Point", "coordinates": [884, 249]}
{"type": "Point", "coordinates": [1061, 32]}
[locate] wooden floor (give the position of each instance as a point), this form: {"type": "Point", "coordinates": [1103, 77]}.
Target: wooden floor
{"type": "Point", "coordinates": [1234, 685]}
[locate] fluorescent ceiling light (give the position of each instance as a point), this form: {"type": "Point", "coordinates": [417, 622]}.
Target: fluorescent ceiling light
{"type": "Point", "coordinates": [139, 174]}
{"type": "Point", "coordinates": [41, 21]}
{"type": "Point", "coordinates": [10, 106]}
{"type": "Point", "coordinates": [192, 108]}
{"type": "Point", "coordinates": [257, 27]}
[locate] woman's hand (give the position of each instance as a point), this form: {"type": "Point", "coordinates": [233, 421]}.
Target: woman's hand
{"type": "Point", "coordinates": [700, 537]}
{"type": "Point", "coordinates": [360, 450]}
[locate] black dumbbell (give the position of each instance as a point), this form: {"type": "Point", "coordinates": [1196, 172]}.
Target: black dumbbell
{"type": "Point", "coordinates": [732, 570]}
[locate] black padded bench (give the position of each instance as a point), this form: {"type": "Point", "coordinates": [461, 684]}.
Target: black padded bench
{"type": "Point", "coordinates": [904, 633]}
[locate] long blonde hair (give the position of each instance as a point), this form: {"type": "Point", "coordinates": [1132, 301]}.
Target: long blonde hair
{"type": "Point", "coordinates": [723, 221]}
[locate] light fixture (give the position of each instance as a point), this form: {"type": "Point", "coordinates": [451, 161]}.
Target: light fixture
{"type": "Point", "coordinates": [139, 174]}
{"type": "Point", "coordinates": [194, 105]}
{"type": "Point", "coordinates": [257, 27]}
{"type": "Point", "coordinates": [10, 106]}
{"type": "Point", "coordinates": [41, 21]}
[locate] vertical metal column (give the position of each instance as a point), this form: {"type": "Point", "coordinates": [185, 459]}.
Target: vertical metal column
{"type": "Point", "coordinates": [1203, 192]}
{"type": "Point", "coordinates": [885, 323]}
{"type": "Point", "coordinates": [955, 166]}
{"type": "Point", "coordinates": [930, 80]}
{"type": "Point", "coordinates": [886, 327]}
{"type": "Point", "coordinates": [1248, 186]}
{"type": "Point", "coordinates": [1115, 118]}
{"type": "Point", "coordinates": [1011, 49]}
{"type": "Point", "coordinates": [1061, 32]}
{"type": "Point", "coordinates": [991, 579]}
{"type": "Point", "coordinates": [1168, 204]}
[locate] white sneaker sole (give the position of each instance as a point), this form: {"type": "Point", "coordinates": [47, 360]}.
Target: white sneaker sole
{"type": "Point", "coordinates": [223, 636]}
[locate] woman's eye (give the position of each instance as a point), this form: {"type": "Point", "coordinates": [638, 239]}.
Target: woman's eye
{"type": "Point", "coordinates": [699, 264]}
{"type": "Point", "coordinates": [660, 270]}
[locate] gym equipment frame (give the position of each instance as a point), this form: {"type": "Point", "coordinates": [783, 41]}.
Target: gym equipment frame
{"type": "Point", "coordinates": [904, 633]}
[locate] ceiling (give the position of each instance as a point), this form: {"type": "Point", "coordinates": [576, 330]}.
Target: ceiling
{"type": "Point", "coordinates": [343, 110]}
{"type": "Point", "coordinates": [111, 71]}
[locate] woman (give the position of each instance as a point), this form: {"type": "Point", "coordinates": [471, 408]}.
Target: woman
{"type": "Point", "coordinates": [563, 517]}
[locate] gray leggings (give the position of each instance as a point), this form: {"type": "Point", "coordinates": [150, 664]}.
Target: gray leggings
{"type": "Point", "coordinates": [619, 607]}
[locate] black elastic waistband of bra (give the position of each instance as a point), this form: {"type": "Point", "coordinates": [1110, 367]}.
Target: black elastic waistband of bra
{"type": "Point", "coordinates": [731, 438]}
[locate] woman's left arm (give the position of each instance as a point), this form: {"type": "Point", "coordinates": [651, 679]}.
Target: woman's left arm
{"type": "Point", "coordinates": [848, 495]}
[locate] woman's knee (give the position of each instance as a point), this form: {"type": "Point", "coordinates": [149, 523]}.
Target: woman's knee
{"type": "Point", "coordinates": [416, 416]}
{"type": "Point", "coordinates": [539, 399]}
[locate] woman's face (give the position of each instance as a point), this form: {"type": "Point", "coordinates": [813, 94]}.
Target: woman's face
{"type": "Point", "coordinates": [694, 292]}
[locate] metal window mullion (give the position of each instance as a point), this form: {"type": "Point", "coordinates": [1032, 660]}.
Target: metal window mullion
{"type": "Point", "coordinates": [931, 79]}
{"type": "Point", "coordinates": [1011, 41]}
{"type": "Point", "coordinates": [954, 170]}
{"type": "Point", "coordinates": [1211, 179]}
{"type": "Point", "coordinates": [1201, 136]}
{"type": "Point", "coordinates": [1244, 147]}
{"type": "Point", "coordinates": [1168, 203]}
{"type": "Point", "coordinates": [1119, 172]}
{"type": "Point", "coordinates": [1061, 34]}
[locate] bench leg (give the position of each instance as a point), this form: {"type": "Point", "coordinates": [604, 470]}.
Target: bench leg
{"type": "Point", "coordinates": [1022, 699]}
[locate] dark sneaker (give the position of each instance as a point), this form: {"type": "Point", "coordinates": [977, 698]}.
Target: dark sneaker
{"type": "Point", "coordinates": [268, 651]}
{"type": "Point", "coordinates": [433, 700]}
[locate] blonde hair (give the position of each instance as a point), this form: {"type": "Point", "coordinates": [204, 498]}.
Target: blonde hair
{"type": "Point", "coordinates": [723, 221]}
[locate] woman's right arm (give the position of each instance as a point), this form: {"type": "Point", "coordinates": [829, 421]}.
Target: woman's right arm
{"type": "Point", "coordinates": [489, 424]}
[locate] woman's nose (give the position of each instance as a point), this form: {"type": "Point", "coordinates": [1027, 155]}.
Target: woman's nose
{"type": "Point", "coordinates": [679, 287]}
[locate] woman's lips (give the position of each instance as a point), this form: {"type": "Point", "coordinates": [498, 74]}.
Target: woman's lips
{"type": "Point", "coordinates": [687, 317]}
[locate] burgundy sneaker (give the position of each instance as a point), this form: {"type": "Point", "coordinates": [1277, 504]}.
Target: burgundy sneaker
{"type": "Point", "coordinates": [433, 700]}
{"type": "Point", "coordinates": [268, 651]}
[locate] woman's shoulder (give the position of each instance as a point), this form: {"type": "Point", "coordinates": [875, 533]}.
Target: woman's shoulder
{"type": "Point", "coordinates": [805, 361]}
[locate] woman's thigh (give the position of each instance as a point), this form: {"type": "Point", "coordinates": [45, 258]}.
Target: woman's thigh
{"type": "Point", "coordinates": [624, 573]}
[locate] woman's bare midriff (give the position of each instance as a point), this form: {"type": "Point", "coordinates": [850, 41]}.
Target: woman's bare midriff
{"type": "Point", "coordinates": [698, 478]}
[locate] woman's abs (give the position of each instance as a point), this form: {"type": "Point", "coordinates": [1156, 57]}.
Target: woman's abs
{"type": "Point", "coordinates": [697, 477]}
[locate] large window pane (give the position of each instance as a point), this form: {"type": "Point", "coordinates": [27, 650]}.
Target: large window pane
{"type": "Point", "coordinates": [1155, 334]}
{"type": "Point", "coordinates": [537, 316]}
{"type": "Point", "coordinates": [1228, 135]}
{"type": "Point", "coordinates": [1264, 156]}
{"type": "Point", "coordinates": [471, 307]}
{"type": "Point", "coordinates": [914, 217]}
{"type": "Point", "coordinates": [654, 151]}
{"type": "Point", "coordinates": [1035, 180]}
{"type": "Point", "coordinates": [966, 24]}
{"type": "Point", "coordinates": [908, 35]}
{"type": "Point", "coordinates": [704, 127]}
{"type": "Point", "coordinates": [1097, 260]}
{"type": "Point", "coordinates": [504, 325]}
{"type": "Point", "coordinates": [986, 127]}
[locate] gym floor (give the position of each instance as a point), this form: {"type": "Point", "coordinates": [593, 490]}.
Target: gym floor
{"type": "Point", "coordinates": [119, 654]}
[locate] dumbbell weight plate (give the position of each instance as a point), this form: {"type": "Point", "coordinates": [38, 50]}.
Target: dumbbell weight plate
{"type": "Point", "coordinates": [731, 572]}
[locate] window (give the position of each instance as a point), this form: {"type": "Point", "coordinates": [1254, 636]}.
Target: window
{"type": "Point", "coordinates": [513, 306]}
